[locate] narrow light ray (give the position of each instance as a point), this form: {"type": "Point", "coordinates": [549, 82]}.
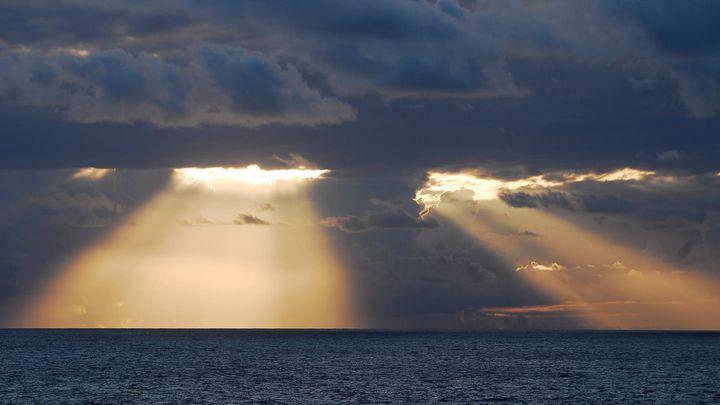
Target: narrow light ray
{"type": "Point", "coordinates": [184, 260]}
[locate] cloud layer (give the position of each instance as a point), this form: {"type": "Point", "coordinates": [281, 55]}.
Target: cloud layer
{"type": "Point", "coordinates": [217, 85]}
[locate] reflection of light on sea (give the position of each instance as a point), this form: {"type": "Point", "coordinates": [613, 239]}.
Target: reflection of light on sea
{"type": "Point", "coordinates": [180, 261]}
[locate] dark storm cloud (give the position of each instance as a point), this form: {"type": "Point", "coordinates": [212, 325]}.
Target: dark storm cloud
{"type": "Point", "coordinates": [35, 21]}
{"type": "Point", "coordinates": [460, 75]}
{"type": "Point", "coordinates": [491, 29]}
{"type": "Point", "coordinates": [228, 86]}
{"type": "Point", "coordinates": [375, 18]}
{"type": "Point", "coordinates": [158, 21]}
{"type": "Point", "coordinates": [376, 30]}
{"type": "Point", "coordinates": [687, 34]}
{"type": "Point", "coordinates": [32, 22]}
{"type": "Point", "coordinates": [685, 28]}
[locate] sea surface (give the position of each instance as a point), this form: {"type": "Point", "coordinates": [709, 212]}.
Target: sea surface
{"type": "Point", "coordinates": [240, 366]}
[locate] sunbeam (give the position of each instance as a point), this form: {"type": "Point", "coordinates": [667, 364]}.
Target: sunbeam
{"type": "Point", "coordinates": [230, 247]}
{"type": "Point", "coordinates": [603, 283]}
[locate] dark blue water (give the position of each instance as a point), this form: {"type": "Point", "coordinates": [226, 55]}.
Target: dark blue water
{"type": "Point", "coordinates": [231, 366]}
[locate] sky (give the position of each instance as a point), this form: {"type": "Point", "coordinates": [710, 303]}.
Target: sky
{"type": "Point", "coordinates": [393, 164]}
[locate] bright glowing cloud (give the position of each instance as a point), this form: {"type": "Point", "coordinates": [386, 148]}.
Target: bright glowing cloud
{"type": "Point", "coordinates": [75, 51]}
{"type": "Point", "coordinates": [251, 174]}
{"type": "Point", "coordinates": [488, 188]}
{"type": "Point", "coordinates": [624, 174]}
{"type": "Point", "coordinates": [541, 267]}
{"type": "Point", "coordinates": [91, 173]}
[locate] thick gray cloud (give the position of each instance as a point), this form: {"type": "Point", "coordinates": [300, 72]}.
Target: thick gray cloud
{"type": "Point", "coordinates": [687, 38]}
{"type": "Point", "coordinates": [358, 51]}
{"type": "Point", "coordinates": [687, 28]}
{"type": "Point", "coordinates": [444, 81]}
{"type": "Point", "coordinates": [536, 85]}
{"type": "Point", "coordinates": [218, 85]}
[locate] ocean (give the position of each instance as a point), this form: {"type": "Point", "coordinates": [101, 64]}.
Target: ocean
{"type": "Point", "coordinates": [329, 367]}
